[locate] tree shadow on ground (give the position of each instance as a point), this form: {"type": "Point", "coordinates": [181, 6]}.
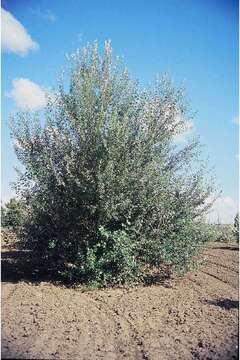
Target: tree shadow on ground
{"type": "Point", "coordinates": [162, 276]}
{"type": "Point", "coordinates": [234, 248]}
{"type": "Point", "coordinates": [226, 304]}
{"type": "Point", "coordinates": [20, 265]}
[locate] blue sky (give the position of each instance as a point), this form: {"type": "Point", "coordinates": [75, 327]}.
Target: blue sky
{"type": "Point", "coordinates": [195, 42]}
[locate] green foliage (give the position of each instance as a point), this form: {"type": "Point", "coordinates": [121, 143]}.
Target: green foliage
{"type": "Point", "coordinates": [111, 261]}
{"type": "Point", "coordinates": [236, 227]}
{"type": "Point", "coordinates": [12, 213]}
{"type": "Point", "coordinates": [108, 191]}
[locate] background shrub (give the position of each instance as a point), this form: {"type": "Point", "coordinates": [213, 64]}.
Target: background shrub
{"type": "Point", "coordinates": [12, 213]}
{"type": "Point", "coordinates": [107, 189]}
{"type": "Point", "coordinates": [223, 233]}
{"type": "Point", "coordinates": [236, 227]}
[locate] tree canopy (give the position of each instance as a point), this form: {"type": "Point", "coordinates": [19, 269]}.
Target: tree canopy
{"type": "Point", "coordinates": [108, 191]}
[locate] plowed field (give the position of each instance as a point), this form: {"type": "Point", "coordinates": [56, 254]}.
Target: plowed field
{"type": "Point", "coordinates": [195, 317]}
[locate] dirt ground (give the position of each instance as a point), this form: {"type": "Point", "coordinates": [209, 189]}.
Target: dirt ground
{"type": "Point", "coordinates": [195, 317]}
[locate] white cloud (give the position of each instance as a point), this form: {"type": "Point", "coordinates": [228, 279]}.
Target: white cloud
{"type": "Point", "coordinates": [79, 37]}
{"type": "Point", "coordinates": [224, 210]}
{"type": "Point", "coordinates": [45, 15]}
{"type": "Point", "coordinates": [236, 120]}
{"type": "Point", "coordinates": [184, 134]}
{"type": "Point", "coordinates": [14, 36]}
{"type": "Point", "coordinates": [27, 95]}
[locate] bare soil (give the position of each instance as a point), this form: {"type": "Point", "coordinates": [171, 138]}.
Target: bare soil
{"type": "Point", "coordinates": [194, 317]}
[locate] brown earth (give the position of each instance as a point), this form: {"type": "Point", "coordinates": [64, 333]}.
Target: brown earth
{"type": "Point", "coordinates": [195, 317]}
